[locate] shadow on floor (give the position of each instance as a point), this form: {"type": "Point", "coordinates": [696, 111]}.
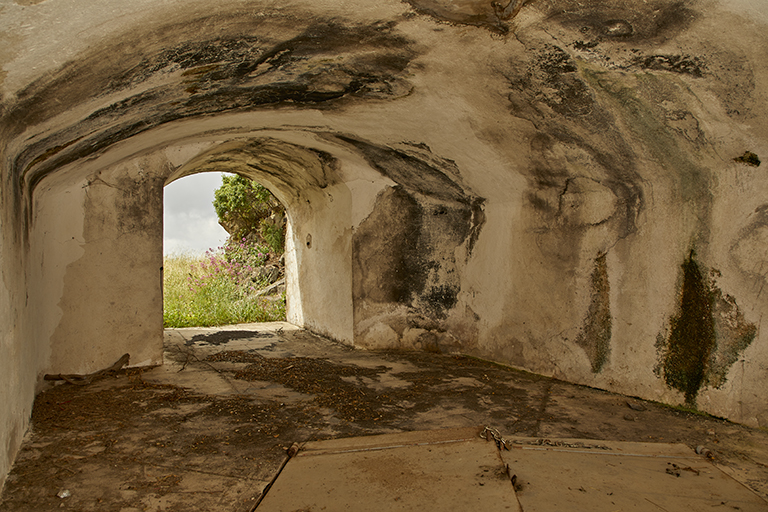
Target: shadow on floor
{"type": "Point", "coordinates": [209, 429]}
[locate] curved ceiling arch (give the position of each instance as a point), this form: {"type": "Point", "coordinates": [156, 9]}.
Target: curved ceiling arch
{"type": "Point", "coordinates": [128, 88]}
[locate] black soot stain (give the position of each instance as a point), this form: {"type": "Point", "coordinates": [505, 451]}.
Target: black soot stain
{"type": "Point", "coordinates": [326, 62]}
{"type": "Point", "coordinates": [405, 251]}
{"type": "Point", "coordinates": [681, 64]}
{"type": "Point", "coordinates": [388, 266]}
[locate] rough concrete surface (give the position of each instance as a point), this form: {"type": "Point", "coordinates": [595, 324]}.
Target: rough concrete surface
{"type": "Point", "coordinates": [449, 469]}
{"type": "Point", "coordinates": [606, 476]}
{"type": "Point", "coordinates": [572, 188]}
{"type": "Point", "coordinates": [209, 429]}
{"type": "Point", "coordinates": [478, 469]}
{"type": "Point", "coordinates": [575, 189]}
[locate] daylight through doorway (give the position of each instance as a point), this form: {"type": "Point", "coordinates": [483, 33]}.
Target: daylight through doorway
{"type": "Point", "coordinates": [223, 252]}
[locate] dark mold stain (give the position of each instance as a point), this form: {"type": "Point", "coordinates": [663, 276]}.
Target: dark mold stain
{"type": "Point", "coordinates": [550, 183]}
{"type": "Point", "coordinates": [480, 14]}
{"type": "Point", "coordinates": [554, 81]}
{"type": "Point", "coordinates": [553, 95]}
{"type": "Point", "coordinates": [682, 64]}
{"type": "Point", "coordinates": [649, 122]}
{"type": "Point", "coordinates": [405, 251]}
{"type": "Point", "coordinates": [389, 268]}
{"type": "Point", "coordinates": [692, 334]}
{"type": "Point", "coordinates": [595, 337]}
{"type": "Point", "coordinates": [412, 172]}
{"type": "Point", "coordinates": [231, 60]}
{"type": "Point", "coordinates": [441, 298]}
{"type": "Point", "coordinates": [290, 167]}
{"type": "Point", "coordinates": [554, 61]}
{"type": "Point", "coordinates": [748, 158]}
{"type": "Point", "coordinates": [581, 45]}
{"type": "Point", "coordinates": [705, 337]}
{"type": "Point", "coordinates": [615, 19]}
{"type": "Point", "coordinates": [655, 19]}
{"type": "Point", "coordinates": [316, 66]}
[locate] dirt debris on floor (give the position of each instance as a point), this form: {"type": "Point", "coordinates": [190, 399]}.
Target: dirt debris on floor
{"type": "Point", "coordinates": [208, 430]}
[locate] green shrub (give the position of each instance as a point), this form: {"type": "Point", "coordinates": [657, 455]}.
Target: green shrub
{"type": "Point", "coordinates": [273, 235]}
{"type": "Point", "coordinates": [247, 209]}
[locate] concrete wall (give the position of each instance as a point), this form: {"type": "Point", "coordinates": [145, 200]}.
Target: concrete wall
{"type": "Point", "coordinates": [96, 267]}
{"type": "Point", "coordinates": [17, 392]}
{"type": "Point", "coordinates": [576, 190]}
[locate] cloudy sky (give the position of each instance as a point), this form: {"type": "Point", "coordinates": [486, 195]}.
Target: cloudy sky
{"type": "Point", "coordinates": [190, 223]}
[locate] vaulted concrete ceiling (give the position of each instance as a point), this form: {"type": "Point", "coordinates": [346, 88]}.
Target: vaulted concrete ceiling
{"type": "Point", "coordinates": [573, 188]}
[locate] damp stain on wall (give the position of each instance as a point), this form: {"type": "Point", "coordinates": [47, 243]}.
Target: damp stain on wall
{"type": "Point", "coordinates": [733, 335]}
{"type": "Point", "coordinates": [252, 64]}
{"type": "Point", "coordinates": [408, 253]}
{"type": "Point", "coordinates": [649, 122]}
{"type": "Point", "coordinates": [705, 338]}
{"type": "Point", "coordinates": [748, 158]}
{"type": "Point", "coordinates": [633, 22]}
{"type": "Point", "coordinates": [387, 264]}
{"type": "Point", "coordinates": [692, 334]}
{"type": "Point", "coordinates": [595, 337]}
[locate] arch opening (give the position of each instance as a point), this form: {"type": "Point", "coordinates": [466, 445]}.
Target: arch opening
{"type": "Point", "coordinates": [376, 238]}
{"type": "Point", "coordinates": [223, 250]}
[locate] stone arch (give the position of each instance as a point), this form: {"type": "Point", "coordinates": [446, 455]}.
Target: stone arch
{"type": "Point", "coordinates": [371, 250]}
{"type": "Point", "coordinates": [318, 206]}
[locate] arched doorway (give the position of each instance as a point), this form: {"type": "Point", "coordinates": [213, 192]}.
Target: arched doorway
{"type": "Point", "coordinates": [223, 245]}
{"type": "Point", "coordinates": [374, 241]}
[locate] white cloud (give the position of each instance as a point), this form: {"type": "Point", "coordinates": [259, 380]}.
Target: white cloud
{"type": "Point", "coordinates": [189, 221]}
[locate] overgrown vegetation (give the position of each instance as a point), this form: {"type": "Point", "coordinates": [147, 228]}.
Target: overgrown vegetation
{"type": "Point", "coordinates": [209, 290]}
{"type": "Point", "coordinates": [228, 285]}
{"type": "Point", "coordinates": [248, 210]}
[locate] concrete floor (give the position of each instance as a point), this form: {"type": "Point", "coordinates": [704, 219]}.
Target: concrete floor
{"type": "Point", "coordinates": [209, 429]}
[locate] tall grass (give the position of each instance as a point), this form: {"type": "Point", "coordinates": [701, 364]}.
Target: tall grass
{"type": "Point", "coordinates": [209, 290]}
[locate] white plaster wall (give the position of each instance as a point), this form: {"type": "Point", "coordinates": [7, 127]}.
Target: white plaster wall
{"type": "Point", "coordinates": [321, 250]}
{"type": "Point", "coordinates": [17, 365]}
{"type": "Point", "coordinates": [95, 278]}
{"type": "Point", "coordinates": [525, 287]}
{"type": "Point", "coordinates": [294, 310]}
{"type": "Point", "coordinates": [56, 242]}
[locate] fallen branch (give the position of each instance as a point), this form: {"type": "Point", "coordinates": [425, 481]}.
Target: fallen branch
{"type": "Point", "coordinates": [82, 380]}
